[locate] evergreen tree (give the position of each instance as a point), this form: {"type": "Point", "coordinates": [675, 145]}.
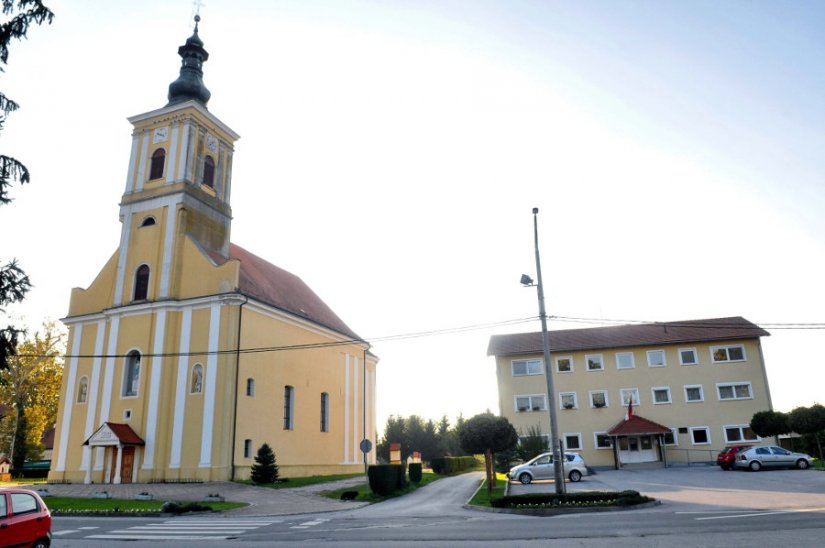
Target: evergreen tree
{"type": "Point", "coordinates": [265, 470]}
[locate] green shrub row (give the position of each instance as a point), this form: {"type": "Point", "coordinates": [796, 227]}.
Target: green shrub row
{"type": "Point", "coordinates": [451, 465]}
{"type": "Point", "coordinates": [386, 478]}
{"type": "Point", "coordinates": [553, 500]}
{"type": "Point", "coordinates": [415, 472]}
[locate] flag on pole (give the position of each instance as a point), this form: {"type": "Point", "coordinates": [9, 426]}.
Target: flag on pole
{"type": "Point", "coordinates": [629, 414]}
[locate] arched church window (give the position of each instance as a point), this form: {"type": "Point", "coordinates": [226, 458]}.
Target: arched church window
{"type": "Point", "coordinates": [141, 283]}
{"type": "Point", "coordinates": [197, 379]}
{"type": "Point", "coordinates": [131, 373]}
{"type": "Point", "coordinates": [156, 167]}
{"type": "Point", "coordinates": [83, 390]}
{"type": "Point", "coordinates": [208, 172]}
{"type": "Point", "coordinates": [148, 221]}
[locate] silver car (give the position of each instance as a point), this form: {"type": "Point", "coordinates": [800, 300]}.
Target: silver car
{"type": "Point", "coordinates": [771, 456]}
{"type": "Point", "coordinates": [541, 467]}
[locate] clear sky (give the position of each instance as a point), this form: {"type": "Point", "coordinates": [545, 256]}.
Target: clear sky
{"type": "Point", "coordinates": [391, 153]}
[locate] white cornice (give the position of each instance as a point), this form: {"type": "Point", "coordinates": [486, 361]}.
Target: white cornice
{"type": "Point", "coordinates": [174, 111]}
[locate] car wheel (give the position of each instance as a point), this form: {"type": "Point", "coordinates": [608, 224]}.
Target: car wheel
{"type": "Point", "coordinates": [755, 465]}
{"type": "Point", "coordinates": [724, 467]}
{"type": "Point", "coordinates": [525, 478]}
{"type": "Point", "coordinates": [575, 475]}
{"type": "Point", "coordinates": [802, 464]}
{"type": "Point", "coordinates": [41, 543]}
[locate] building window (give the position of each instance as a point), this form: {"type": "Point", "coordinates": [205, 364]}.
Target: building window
{"type": "Point", "coordinates": [324, 412]}
{"type": "Point", "coordinates": [624, 360]}
{"type": "Point", "coordinates": [250, 387]}
{"type": "Point", "coordinates": [247, 449]}
{"type": "Point", "coordinates": [722, 354]}
{"type": "Point", "coordinates": [671, 438]}
{"type": "Point", "coordinates": [564, 364]}
{"type": "Point", "coordinates": [595, 362]}
{"type": "Point", "coordinates": [526, 367]}
{"type": "Point", "coordinates": [573, 442]}
{"type": "Point", "coordinates": [156, 166]}
{"type": "Point", "coordinates": [532, 402]}
{"type": "Point", "coordinates": [661, 394]}
{"type": "Point", "coordinates": [83, 390]}
{"type": "Point", "coordinates": [656, 358]}
{"type": "Point", "coordinates": [196, 383]}
{"type": "Point", "coordinates": [739, 433]}
{"type": "Point", "coordinates": [567, 400]}
{"type": "Point", "coordinates": [700, 435]}
{"type": "Point", "coordinates": [598, 398]}
{"type": "Point", "coordinates": [141, 283]}
{"type": "Point", "coordinates": [602, 440]}
{"type": "Point", "coordinates": [208, 172]}
{"type": "Point", "coordinates": [131, 373]}
{"type": "Point", "coordinates": [735, 391]}
{"type": "Point", "coordinates": [693, 393]}
{"type": "Point", "coordinates": [626, 394]}
{"type": "Point", "coordinates": [687, 356]}
{"type": "Point", "coordinates": [148, 221]}
{"type": "Point", "coordinates": [289, 407]}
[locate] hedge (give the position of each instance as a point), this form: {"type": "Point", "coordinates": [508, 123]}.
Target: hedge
{"type": "Point", "coordinates": [415, 472]}
{"type": "Point", "coordinates": [451, 465]}
{"type": "Point", "coordinates": [588, 498]}
{"type": "Point", "coordinates": [386, 478]}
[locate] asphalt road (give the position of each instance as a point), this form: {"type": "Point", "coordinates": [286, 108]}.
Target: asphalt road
{"type": "Point", "coordinates": [700, 507]}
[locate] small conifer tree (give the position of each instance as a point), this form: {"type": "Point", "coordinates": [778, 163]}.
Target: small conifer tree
{"type": "Point", "coordinates": [265, 470]}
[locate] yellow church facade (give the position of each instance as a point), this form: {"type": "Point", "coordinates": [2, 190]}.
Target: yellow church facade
{"type": "Point", "coordinates": [188, 352]}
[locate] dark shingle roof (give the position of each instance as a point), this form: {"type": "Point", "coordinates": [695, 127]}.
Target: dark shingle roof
{"type": "Point", "coordinates": [275, 286]}
{"type": "Point", "coordinates": [569, 340]}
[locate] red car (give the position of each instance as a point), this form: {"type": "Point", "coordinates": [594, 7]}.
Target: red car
{"type": "Point", "coordinates": [727, 458]}
{"type": "Point", "coordinates": [24, 519]}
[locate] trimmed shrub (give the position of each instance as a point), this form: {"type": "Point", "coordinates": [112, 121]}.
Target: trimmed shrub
{"type": "Point", "coordinates": [582, 499]}
{"type": "Point", "coordinates": [386, 478]}
{"type": "Point", "coordinates": [415, 472]}
{"type": "Point", "coordinates": [451, 465]}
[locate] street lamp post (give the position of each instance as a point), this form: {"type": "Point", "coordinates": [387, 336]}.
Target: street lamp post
{"type": "Point", "coordinates": [545, 342]}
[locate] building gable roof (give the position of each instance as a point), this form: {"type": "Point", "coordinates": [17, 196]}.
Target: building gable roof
{"type": "Point", "coordinates": [619, 336]}
{"type": "Point", "coordinates": [276, 287]}
{"type": "Point", "coordinates": [109, 431]}
{"type": "Point", "coordinates": [637, 425]}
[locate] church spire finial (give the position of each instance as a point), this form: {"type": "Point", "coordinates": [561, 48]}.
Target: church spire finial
{"type": "Point", "coordinates": [189, 84]}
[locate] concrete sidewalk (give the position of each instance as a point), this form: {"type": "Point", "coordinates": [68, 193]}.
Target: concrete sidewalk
{"type": "Point", "coordinates": [262, 501]}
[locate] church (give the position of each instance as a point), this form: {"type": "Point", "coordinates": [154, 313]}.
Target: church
{"type": "Point", "coordinates": [188, 352]}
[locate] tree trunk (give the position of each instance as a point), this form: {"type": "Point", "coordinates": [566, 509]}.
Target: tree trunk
{"type": "Point", "coordinates": [488, 466]}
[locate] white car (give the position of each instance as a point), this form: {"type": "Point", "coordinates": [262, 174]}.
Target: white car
{"type": "Point", "coordinates": [541, 467]}
{"type": "Point", "coordinates": [771, 456]}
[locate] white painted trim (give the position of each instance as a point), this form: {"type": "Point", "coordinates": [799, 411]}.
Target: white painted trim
{"type": "Point", "coordinates": [141, 174]}
{"type": "Point", "coordinates": [180, 389]}
{"type": "Point", "coordinates": [125, 232]}
{"type": "Point", "coordinates": [183, 150]}
{"type": "Point", "coordinates": [109, 373]}
{"type": "Point", "coordinates": [173, 155]}
{"type": "Point", "coordinates": [130, 175]}
{"type": "Point", "coordinates": [168, 243]}
{"type": "Point", "coordinates": [94, 390]}
{"type": "Point", "coordinates": [171, 109]}
{"type": "Point", "coordinates": [155, 373]}
{"type": "Point", "coordinates": [346, 408]}
{"type": "Point", "coordinates": [355, 408]}
{"type": "Point", "coordinates": [68, 402]}
{"type": "Point", "coordinates": [210, 381]}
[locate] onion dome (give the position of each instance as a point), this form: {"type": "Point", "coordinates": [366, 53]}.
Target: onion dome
{"type": "Point", "coordinates": [189, 84]}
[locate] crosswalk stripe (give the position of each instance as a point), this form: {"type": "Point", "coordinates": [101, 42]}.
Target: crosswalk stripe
{"type": "Point", "coordinates": [184, 529]}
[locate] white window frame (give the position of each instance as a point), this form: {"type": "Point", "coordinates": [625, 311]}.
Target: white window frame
{"type": "Point", "coordinates": [701, 393]}
{"type": "Point", "coordinates": [695, 356]}
{"type": "Point", "coordinates": [570, 359]}
{"type": "Point", "coordinates": [664, 358]}
{"type": "Point", "coordinates": [596, 441]}
{"type": "Point", "coordinates": [600, 358]}
{"type": "Point", "coordinates": [742, 438]}
{"type": "Point", "coordinates": [637, 401]}
{"type": "Point", "coordinates": [590, 398]}
{"type": "Point", "coordinates": [653, 395]}
{"type": "Point", "coordinates": [576, 435]}
{"type": "Point", "coordinates": [527, 366]}
{"type": "Point", "coordinates": [532, 406]}
{"type": "Point", "coordinates": [575, 400]}
{"type": "Point", "coordinates": [632, 360]}
{"type": "Point", "coordinates": [733, 385]}
{"type": "Point", "coordinates": [675, 433]}
{"type": "Point", "coordinates": [693, 429]}
{"type": "Point", "coordinates": [726, 348]}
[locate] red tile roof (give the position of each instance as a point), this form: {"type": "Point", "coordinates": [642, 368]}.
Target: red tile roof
{"type": "Point", "coordinates": [569, 340]}
{"type": "Point", "coordinates": [637, 425]}
{"type": "Point", "coordinates": [263, 281]}
{"type": "Point", "coordinates": [125, 433]}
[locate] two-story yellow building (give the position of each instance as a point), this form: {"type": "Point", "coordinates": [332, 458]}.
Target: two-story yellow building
{"type": "Point", "coordinates": [188, 352]}
{"type": "Point", "coordinates": [694, 386]}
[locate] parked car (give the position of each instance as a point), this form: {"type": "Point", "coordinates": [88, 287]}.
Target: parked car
{"type": "Point", "coordinates": [24, 519]}
{"type": "Point", "coordinates": [541, 467]}
{"type": "Point", "coordinates": [771, 456]}
{"type": "Point", "coordinates": [726, 458]}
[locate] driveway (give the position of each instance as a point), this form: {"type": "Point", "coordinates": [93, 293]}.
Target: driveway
{"type": "Point", "coordinates": [706, 488]}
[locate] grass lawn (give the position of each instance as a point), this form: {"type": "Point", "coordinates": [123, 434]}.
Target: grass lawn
{"type": "Point", "coordinates": [71, 504]}
{"type": "Point", "coordinates": [365, 494]}
{"type": "Point", "coordinates": [291, 483]}
{"type": "Point", "coordinates": [482, 499]}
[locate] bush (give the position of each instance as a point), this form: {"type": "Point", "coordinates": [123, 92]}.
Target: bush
{"type": "Point", "coordinates": [451, 465]}
{"type": "Point", "coordinates": [583, 499]}
{"type": "Point", "coordinates": [386, 478]}
{"type": "Point", "coordinates": [171, 507]}
{"type": "Point", "coordinates": [415, 472]}
{"type": "Point", "coordinates": [264, 470]}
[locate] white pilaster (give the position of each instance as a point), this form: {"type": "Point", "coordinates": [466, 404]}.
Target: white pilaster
{"type": "Point", "coordinates": [180, 389]}
{"type": "Point", "coordinates": [118, 464]}
{"type": "Point", "coordinates": [211, 377]}
{"type": "Point", "coordinates": [68, 401]}
{"type": "Point", "coordinates": [130, 175]}
{"type": "Point", "coordinates": [172, 154]}
{"type": "Point", "coordinates": [168, 243]}
{"type": "Point", "coordinates": [123, 253]}
{"type": "Point", "coordinates": [155, 374]}
{"type": "Point", "coordinates": [108, 388]}
{"type": "Point", "coordinates": [183, 151]}
{"type": "Point", "coordinates": [346, 408]}
{"type": "Point", "coordinates": [94, 390]}
{"type": "Point", "coordinates": [141, 174]}
{"type": "Point", "coordinates": [356, 417]}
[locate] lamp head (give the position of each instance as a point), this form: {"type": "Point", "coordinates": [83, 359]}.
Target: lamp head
{"type": "Point", "coordinates": [526, 280]}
